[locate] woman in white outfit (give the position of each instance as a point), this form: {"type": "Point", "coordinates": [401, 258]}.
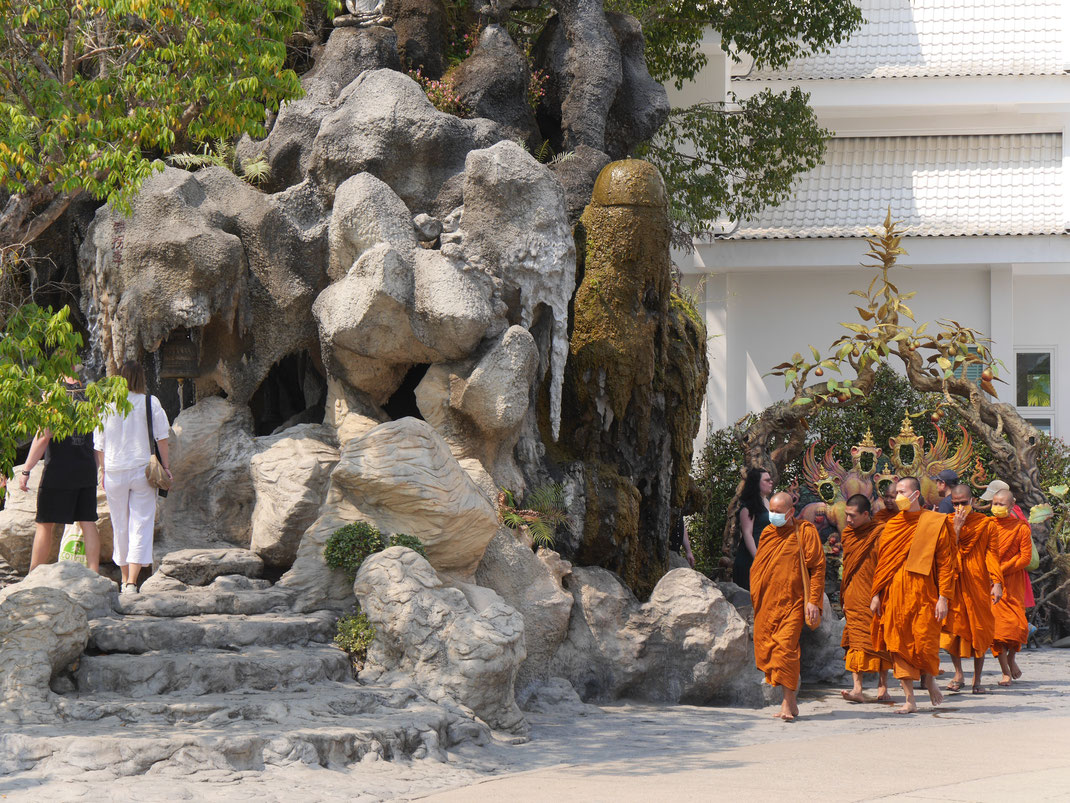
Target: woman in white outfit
{"type": "Point", "coordinates": [122, 447]}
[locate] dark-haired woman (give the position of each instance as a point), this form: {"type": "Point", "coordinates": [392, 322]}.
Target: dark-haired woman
{"type": "Point", "coordinates": [753, 518]}
{"type": "Point", "coordinates": [123, 451]}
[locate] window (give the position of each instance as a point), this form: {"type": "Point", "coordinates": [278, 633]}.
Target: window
{"type": "Point", "coordinates": [1033, 387]}
{"type": "Point", "coordinates": [1034, 378]}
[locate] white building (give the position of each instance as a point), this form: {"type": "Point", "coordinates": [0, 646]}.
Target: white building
{"type": "Point", "coordinates": [954, 113]}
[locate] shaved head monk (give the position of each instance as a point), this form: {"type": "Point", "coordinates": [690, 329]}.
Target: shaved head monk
{"type": "Point", "coordinates": [971, 625]}
{"type": "Point", "coordinates": [1015, 549]}
{"type": "Point", "coordinates": [860, 540]}
{"type": "Point", "coordinates": [889, 509]}
{"type": "Point", "coordinates": [781, 602]}
{"type": "Point", "coordinates": [912, 587]}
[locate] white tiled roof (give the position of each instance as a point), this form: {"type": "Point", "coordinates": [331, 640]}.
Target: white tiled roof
{"type": "Point", "coordinates": [908, 38]}
{"type": "Point", "coordinates": [938, 186]}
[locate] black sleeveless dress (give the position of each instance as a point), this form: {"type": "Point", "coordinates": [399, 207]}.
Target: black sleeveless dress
{"type": "Point", "coordinates": [741, 568]}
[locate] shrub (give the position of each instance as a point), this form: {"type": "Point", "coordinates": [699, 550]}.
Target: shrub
{"type": "Point", "coordinates": [717, 473]}
{"type": "Point", "coordinates": [442, 94]}
{"type": "Point", "coordinates": [349, 546]}
{"type": "Point", "coordinates": [354, 635]}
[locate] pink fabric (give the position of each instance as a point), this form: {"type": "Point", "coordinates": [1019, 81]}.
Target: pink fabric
{"type": "Point", "coordinates": [1028, 597]}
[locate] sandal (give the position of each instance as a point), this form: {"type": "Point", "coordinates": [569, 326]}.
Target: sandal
{"type": "Point", "coordinates": [979, 690]}
{"type": "Point", "coordinates": [954, 685]}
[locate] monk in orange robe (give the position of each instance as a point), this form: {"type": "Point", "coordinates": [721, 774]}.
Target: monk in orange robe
{"type": "Point", "coordinates": [860, 540]}
{"type": "Point", "coordinates": [1015, 551]}
{"type": "Point", "coordinates": [781, 603]}
{"type": "Point", "coordinates": [971, 625]}
{"type": "Point", "coordinates": [888, 498]}
{"type": "Point", "coordinates": [913, 585]}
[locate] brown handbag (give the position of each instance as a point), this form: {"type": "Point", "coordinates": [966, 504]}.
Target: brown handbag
{"type": "Point", "coordinates": [806, 587]}
{"type": "Point", "coordinates": [154, 471]}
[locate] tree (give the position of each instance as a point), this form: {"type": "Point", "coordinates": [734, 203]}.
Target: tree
{"type": "Point", "coordinates": [734, 159]}
{"type": "Point", "coordinates": [38, 347]}
{"type": "Point", "coordinates": [94, 90]}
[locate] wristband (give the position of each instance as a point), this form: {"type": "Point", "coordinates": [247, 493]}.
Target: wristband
{"type": "Point", "coordinates": [25, 473]}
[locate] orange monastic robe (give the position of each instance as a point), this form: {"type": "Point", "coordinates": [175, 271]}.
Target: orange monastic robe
{"type": "Point", "coordinates": [970, 620]}
{"type": "Point", "coordinates": [859, 561]}
{"type": "Point", "coordinates": [916, 563]}
{"type": "Point", "coordinates": [1015, 552]}
{"type": "Point", "coordinates": [884, 515]}
{"type": "Point", "coordinates": [776, 592]}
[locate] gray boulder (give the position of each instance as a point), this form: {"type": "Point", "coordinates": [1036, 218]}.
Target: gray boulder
{"type": "Point", "coordinates": [493, 83]}
{"type": "Point", "coordinates": [430, 636]}
{"type": "Point", "coordinates": [641, 106]}
{"type": "Point", "coordinates": [42, 632]}
{"type": "Point", "coordinates": [422, 29]}
{"type": "Point", "coordinates": [366, 213]}
{"type": "Point", "coordinates": [199, 567]}
{"type": "Point", "coordinates": [212, 498]}
{"type": "Point", "coordinates": [98, 596]}
{"type": "Point", "coordinates": [686, 645]}
{"type": "Point", "coordinates": [822, 653]}
{"type": "Point", "coordinates": [529, 586]}
{"type": "Point", "coordinates": [289, 482]}
{"type": "Point", "coordinates": [287, 147]}
{"type": "Point", "coordinates": [577, 175]}
{"type": "Point", "coordinates": [385, 125]}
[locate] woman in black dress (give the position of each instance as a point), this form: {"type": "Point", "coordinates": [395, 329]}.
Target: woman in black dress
{"type": "Point", "coordinates": [753, 518]}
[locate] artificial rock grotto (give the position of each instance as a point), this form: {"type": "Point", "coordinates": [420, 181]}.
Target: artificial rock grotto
{"type": "Point", "coordinates": [445, 316]}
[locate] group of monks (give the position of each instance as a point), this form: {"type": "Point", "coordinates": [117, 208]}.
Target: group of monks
{"type": "Point", "coordinates": [913, 581]}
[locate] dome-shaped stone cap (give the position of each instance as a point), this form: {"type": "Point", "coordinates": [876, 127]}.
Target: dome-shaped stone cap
{"type": "Point", "coordinates": [629, 182]}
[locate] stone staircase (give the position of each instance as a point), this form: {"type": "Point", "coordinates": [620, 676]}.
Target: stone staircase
{"type": "Point", "coordinates": [206, 677]}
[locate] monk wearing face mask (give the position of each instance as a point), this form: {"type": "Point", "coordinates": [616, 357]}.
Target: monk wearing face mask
{"type": "Point", "coordinates": [912, 586]}
{"type": "Point", "coordinates": [970, 625]}
{"type": "Point", "coordinates": [781, 603]}
{"type": "Point", "coordinates": [1015, 551]}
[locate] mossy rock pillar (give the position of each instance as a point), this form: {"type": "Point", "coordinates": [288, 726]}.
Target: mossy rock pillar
{"type": "Point", "coordinates": [635, 378]}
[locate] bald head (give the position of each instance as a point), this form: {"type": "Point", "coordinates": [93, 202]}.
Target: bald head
{"type": "Point", "coordinates": [781, 502]}
{"type": "Point", "coordinates": [1005, 498]}
{"type": "Point", "coordinates": [908, 485]}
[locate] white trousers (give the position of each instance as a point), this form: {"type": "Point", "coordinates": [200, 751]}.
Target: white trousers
{"type": "Point", "coordinates": [132, 505]}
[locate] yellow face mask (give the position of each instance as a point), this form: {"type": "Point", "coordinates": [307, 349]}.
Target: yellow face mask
{"type": "Point", "coordinates": [1000, 511]}
{"type": "Point", "coordinates": [902, 502]}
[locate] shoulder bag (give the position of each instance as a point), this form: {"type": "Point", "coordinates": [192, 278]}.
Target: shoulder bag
{"type": "Point", "coordinates": [154, 471]}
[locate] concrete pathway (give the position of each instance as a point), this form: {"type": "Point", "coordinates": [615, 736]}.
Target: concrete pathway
{"type": "Point", "coordinates": [1009, 745]}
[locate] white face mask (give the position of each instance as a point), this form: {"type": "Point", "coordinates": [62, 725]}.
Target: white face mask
{"type": "Point", "coordinates": [778, 519]}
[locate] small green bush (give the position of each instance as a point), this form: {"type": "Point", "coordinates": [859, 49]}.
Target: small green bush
{"type": "Point", "coordinates": [410, 541]}
{"type": "Point", "coordinates": [354, 635]}
{"type": "Point", "coordinates": [349, 546]}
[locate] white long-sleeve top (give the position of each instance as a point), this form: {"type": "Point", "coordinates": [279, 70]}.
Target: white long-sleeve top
{"type": "Point", "coordinates": [125, 439]}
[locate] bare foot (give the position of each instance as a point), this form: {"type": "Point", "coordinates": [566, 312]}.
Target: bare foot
{"type": "Point", "coordinates": [935, 697]}
{"type": "Point", "coordinates": [1015, 671]}
{"type": "Point", "coordinates": [1005, 681]}
{"type": "Point", "coordinates": [977, 689]}
{"type": "Point", "coordinates": [787, 717]}
{"type": "Point", "coordinates": [853, 696]}
{"type": "Point", "coordinates": [795, 710]}
{"type": "Point", "coordinates": [906, 708]}
{"type": "Point", "coordinates": [884, 697]}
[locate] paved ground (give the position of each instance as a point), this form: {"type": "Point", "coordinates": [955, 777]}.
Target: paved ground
{"type": "Point", "coordinates": [1012, 744]}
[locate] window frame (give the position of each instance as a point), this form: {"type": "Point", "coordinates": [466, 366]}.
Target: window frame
{"type": "Point", "coordinates": [1039, 412]}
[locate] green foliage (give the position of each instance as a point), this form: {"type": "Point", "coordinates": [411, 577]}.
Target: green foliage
{"type": "Point", "coordinates": [409, 541]}
{"type": "Point", "coordinates": [38, 347]}
{"type": "Point", "coordinates": [349, 546]}
{"type": "Point", "coordinates": [94, 90]}
{"type": "Point", "coordinates": [541, 513]}
{"type": "Point", "coordinates": [734, 160]}
{"type": "Point", "coordinates": [771, 31]}
{"type": "Point", "coordinates": [718, 472]}
{"type": "Point", "coordinates": [224, 154]}
{"type": "Point", "coordinates": [354, 635]}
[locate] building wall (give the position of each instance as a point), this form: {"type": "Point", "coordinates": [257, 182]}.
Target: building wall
{"type": "Point", "coordinates": [1041, 320]}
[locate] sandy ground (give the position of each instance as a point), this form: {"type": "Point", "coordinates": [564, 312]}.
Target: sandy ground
{"type": "Point", "coordinates": [1011, 744]}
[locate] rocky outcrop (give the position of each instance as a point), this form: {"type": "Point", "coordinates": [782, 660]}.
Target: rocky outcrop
{"type": "Point", "coordinates": [822, 653]}
{"type": "Point", "coordinates": [493, 83]}
{"type": "Point", "coordinates": [289, 482]}
{"type": "Point", "coordinates": [42, 632]}
{"type": "Point", "coordinates": [212, 498]}
{"type": "Point", "coordinates": [430, 636]}
{"type": "Point", "coordinates": [97, 596]}
{"type": "Point", "coordinates": [686, 645]}
{"type": "Point", "coordinates": [422, 27]}
{"type": "Point", "coordinates": [402, 478]}
{"type": "Point", "coordinates": [637, 366]}
{"type": "Point", "coordinates": [534, 589]}
{"type": "Point", "coordinates": [199, 567]}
